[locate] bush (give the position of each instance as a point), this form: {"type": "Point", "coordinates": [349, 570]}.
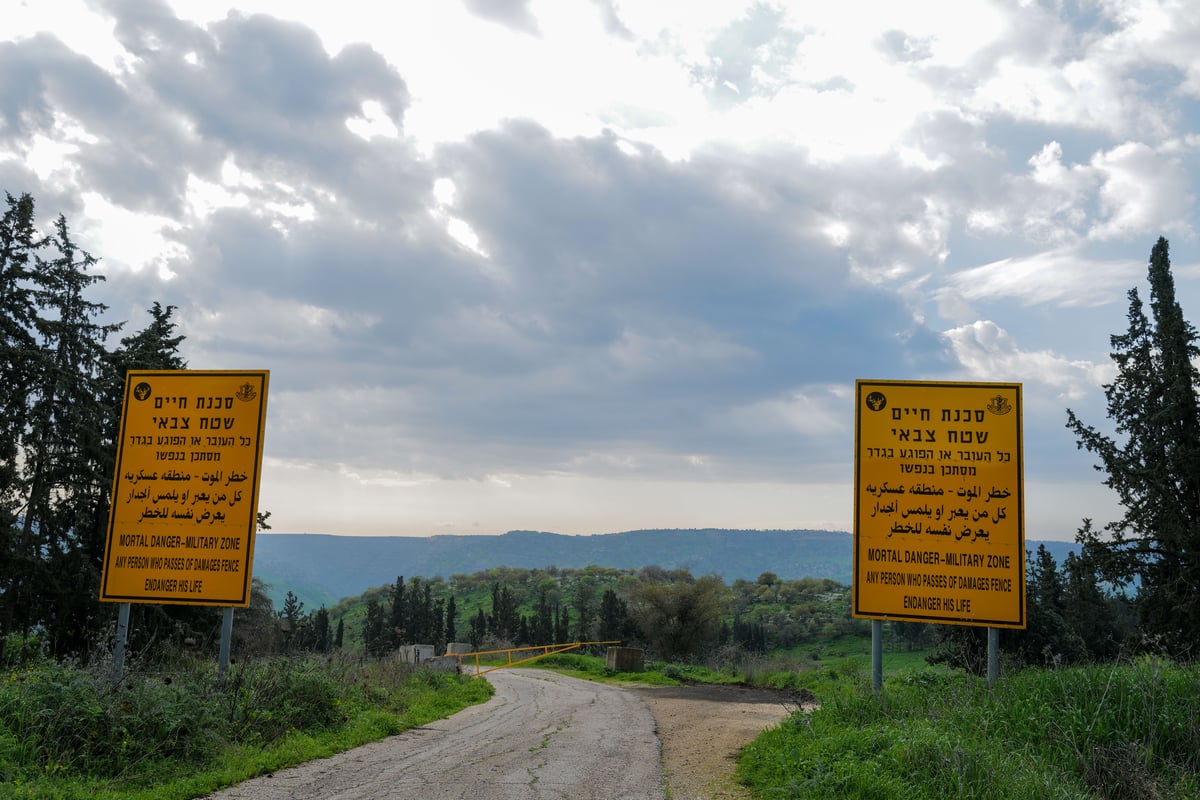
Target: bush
{"type": "Point", "coordinates": [65, 732]}
{"type": "Point", "coordinates": [269, 699]}
{"type": "Point", "coordinates": [56, 718]}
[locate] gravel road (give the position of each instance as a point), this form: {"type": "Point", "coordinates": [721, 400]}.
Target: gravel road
{"type": "Point", "coordinates": [542, 735]}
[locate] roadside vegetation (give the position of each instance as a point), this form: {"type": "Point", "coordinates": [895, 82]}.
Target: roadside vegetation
{"type": "Point", "coordinates": [1097, 732]}
{"type": "Point", "coordinates": [66, 732]}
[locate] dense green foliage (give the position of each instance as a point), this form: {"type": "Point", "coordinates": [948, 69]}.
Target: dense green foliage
{"type": "Point", "coordinates": [678, 617]}
{"type": "Point", "coordinates": [1114, 732]}
{"type": "Point", "coordinates": [66, 732]}
{"type": "Point", "coordinates": [60, 401]}
{"type": "Point", "coordinates": [672, 613]}
{"type": "Point", "coordinates": [1070, 620]}
{"type": "Point", "coordinates": [1154, 467]}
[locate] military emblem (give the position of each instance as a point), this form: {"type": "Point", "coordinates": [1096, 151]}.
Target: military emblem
{"type": "Point", "coordinates": [999, 405]}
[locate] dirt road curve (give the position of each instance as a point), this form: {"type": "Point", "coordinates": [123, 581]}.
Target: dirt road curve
{"type": "Point", "coordinates": [702, 727]}
{"type": "Point", "coordinates": [543, 735]}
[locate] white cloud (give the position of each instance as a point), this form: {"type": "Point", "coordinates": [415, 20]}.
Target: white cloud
{"type": "Point", "coordinates": [812, 411]}
{"type": "Point", "coordinates": [1142, 193]}
{"type": "Point", "coordinates": [373, 121]}
{"type": "Point", "coordinates": [988, 353]}
{"type": "Point", "coordinates": [1059, 277]}
{"type": "Point", "coordinates": [77, 23]}
{"type": "Point", "coordinates": [130, 240]}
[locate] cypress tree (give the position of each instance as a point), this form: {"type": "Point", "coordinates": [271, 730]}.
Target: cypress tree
{"type": "Point", "coordinates": [1155, 467]}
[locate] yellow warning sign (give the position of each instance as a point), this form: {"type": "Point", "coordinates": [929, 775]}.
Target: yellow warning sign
{"type": "Point", "coordinates": [939, 532]}
{"type": "Point", "coordinates": [185, 492]}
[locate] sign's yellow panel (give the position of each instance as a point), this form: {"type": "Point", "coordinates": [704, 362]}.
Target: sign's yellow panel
{"type": "Point", "coordinates": [185, 493]}
{"type": "Point", "coordinates": [939, 532]}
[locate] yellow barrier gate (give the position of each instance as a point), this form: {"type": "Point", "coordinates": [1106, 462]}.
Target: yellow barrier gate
{"type": "Point", "coordinates": [546, 650]}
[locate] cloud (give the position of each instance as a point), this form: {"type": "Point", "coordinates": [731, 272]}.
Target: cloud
{"type": "Point", "coordinates": [514, 14]}
{"type": "Point", "coordinates": [612, 20]}
{"type": "Point", "coordinates": [988, 352]}
{"type": "Point", "coordinates": [1061, 277]}
{"type": "Point", "coordinates": [1141, 191]}
{"type": "Point", "coordinates": [476, 261]}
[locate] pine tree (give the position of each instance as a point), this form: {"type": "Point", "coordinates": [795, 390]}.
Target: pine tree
{"type": "Point", "coordinates": [542, 625]}
{"type": "Point", "coordinates": [290, 617]}
{"type": "Point", "coordinates": [613, 621]}
{"type": "Point", "coordinates": [65, 466]}
{"type": "Point", "coordinates": [562, 625]}
{"type": "Point", "coordinates": [418, 619]}
{"type": "Point", "coordinates": [375, 640]}
{"type": "Point", "coordinates": [477, 629]}
{"type": "Point", "coordinates": [451, 621]}
{"type": "Point", "coordinates": [505, 620]}
{"type": "Point", "coordinates": [1104, 621]}
{"type": "Point", "coordinates": [399, 625]}
{"type": "Point", "coordinates": [19, 359]}
{"type": "Point", "coordinates": [1155, 468]}
{"type": "Point", "coordinates": [321, 640]}
{"type": "Point", "coordinates": [60, 397]}
{"type": "Point", "coordinates": [585, 609]}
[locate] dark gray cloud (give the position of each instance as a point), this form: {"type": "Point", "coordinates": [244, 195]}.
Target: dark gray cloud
{"type": "Point", "coordinates": [625, 298]}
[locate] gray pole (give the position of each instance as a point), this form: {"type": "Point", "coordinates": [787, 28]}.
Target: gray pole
{"type": "Point", "coordinates": [993, 656]}
{"type": "Point", "coordinates": [226, 638]}
{"type": "Point", "coordinates": [877, 655]}
{"type": "Point", "coordinates": [119, 649]}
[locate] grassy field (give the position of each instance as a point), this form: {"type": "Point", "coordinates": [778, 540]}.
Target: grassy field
{"type": "Point", "coordinates": [67, 734]}
{"type": "Point", "coordinates": [1106, 732]}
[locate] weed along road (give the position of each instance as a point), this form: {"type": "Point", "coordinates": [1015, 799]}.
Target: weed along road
{"type": "Point", "coordinates": [542, 735]}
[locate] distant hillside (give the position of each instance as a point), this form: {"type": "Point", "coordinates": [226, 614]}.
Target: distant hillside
{"type": "Point", "coordinates": [322, 569]}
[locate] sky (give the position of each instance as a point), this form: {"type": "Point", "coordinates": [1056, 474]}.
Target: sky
{"type": "Point", "coordinates": [587, 266]}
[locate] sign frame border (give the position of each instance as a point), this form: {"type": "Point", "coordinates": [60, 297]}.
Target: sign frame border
{"type": "Point", "coordinates": [934, 618]}
{"type": "Point", "coordinates": [248, 554]}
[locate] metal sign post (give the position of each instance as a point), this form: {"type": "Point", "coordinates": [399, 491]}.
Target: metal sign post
{"type": "Point", "coordinates": [226, 639]}
{"type": "Point", "coordinates": [119, 647]}
{"type": "Point", "coordinates": [993, 656]}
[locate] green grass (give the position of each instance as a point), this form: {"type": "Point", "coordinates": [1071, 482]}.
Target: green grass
{"type": "Point", "coordinates": [66, 733]}
{"type": "Point", "coordinates": [782, 671]}
{"type": "Point", "coordinates": [656, 673]}
{"type": "Point", "coordinates": [1111, 732]}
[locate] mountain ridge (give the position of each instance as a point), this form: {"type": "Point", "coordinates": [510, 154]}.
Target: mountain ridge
{"type": "Point", "coordinates": [321, 569]}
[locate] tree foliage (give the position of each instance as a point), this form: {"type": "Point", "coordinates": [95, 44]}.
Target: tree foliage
{"type": "Point", "coordinates": [1153, 464]}
{"type": "Point", "coordinates": [61, 387]}
{"type": "Point", "coordinates": [679, 619]}
{"type": "Point", "coordinates": [1070, 620]}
